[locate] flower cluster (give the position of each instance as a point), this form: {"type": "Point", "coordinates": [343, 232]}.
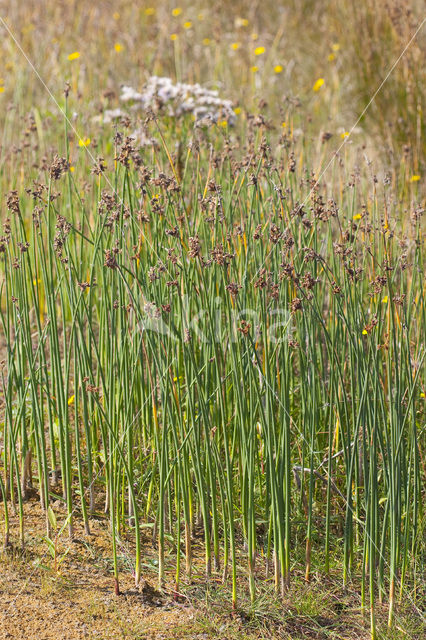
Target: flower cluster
{"type": "Point", "coordinates": [179, 99]}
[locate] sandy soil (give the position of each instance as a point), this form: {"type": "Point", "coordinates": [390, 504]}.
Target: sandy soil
{"type": "Point", "coordinates": [79, 601]}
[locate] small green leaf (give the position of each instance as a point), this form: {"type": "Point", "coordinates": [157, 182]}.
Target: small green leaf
{"type": "Point", "coordinates": [52, 517]}
{"type": "Point", "coordinates": [50, 546]}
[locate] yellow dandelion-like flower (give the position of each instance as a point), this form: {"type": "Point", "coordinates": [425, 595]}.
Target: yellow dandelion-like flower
{"type": "Point", "coordinates": [72, 169]}
{"type": "Point", "coordinates": [176, 12]}
{"type": "Point", "coordinates": [254, 36]}
{"type": "Point", "coordinates": [283, 124]}
{"type": "Point", "coordinates": [318, 84]}
{"type": "Point", "coordinates": [259, 51]}
{"type": "Point", "coordinates": [149, 11]}
{"type": "Point", "coordinates": [71, 400]}
{"type": "Point", "coordinates": [357, 216]}
{"type": "Point", "coordinates": [278, 68]}
{"type": "Point", "coordinates": [84, 142]}
{"type": "Point", "coordinates": [206, 42]}
{"type": "Point", "coordinates": [187, 24]}
{"type": "Point", "coordinates": [223, 123]}
{"type": "Point", "coordinates": [344, 135]}
{"type": "Point", "coordinates": [235, 45]}
{"type": "Point", "coordinates": [237, 111]}
{"type": "Point", "coordinates": [241, 22]}
{"type": "Point", "coordinates": [174, 36]}
{"type": "Point", "coordinates": [74, 55]}
{"type": "Point", "coordinates": [335, 46]}
{"type": "Point", "coordinates": [365, 332]}
{"type": "Point", "coordinates": [253, 69]}
{"type": "Point", "coordinates": [385, 299]}
{"type": "Point", "coordinates": [331, 57]}
{"type": "Point", "coordinates": [415, 178]}
{"type": "Point", "coordinates": [422, 395]}
{"type": "Point", "coordinates": [118, 47]}
{"type": "Point", "coordinates": [1, 89]}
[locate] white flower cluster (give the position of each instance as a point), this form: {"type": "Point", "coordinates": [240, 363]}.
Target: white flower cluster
{"type": "Point", "coordinates": [112, 114]}
{"type": "Point", "coordinates": [175, 100]}
{"type": "Point", "coordinates": [179, 99]}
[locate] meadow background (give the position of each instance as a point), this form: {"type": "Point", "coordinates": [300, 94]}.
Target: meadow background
{"type": "Point", "coordinates": [118, 42]}
{"type": "Point", "coordinates": [225, 483]}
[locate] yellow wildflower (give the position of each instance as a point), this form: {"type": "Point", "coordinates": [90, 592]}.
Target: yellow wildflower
{"type": "Point", "coordinates": [235, 45]}
{"type": "Point", "coordinates": [385, 299]}
{"type": "Point", "coordinates": [331, 57]}
{"type": "Point", "coordinates": [115, 15]}
{"type": "Point", "coordinates": [318, 84]}
{"type": "Point", "coordinates": [176, 12]}
{"type": "Point", "coordinates": [365, 332]}
{"type": "Point", "coordinates": [415, 178]}
{"type": "Point", "coordinates": [84, 142]}
{"type": "Point", "coordinates": [335, 46]}
{"type": "Point", "coordinates": [74, 56]}
{"type": "Point", "coordinates": [174, 36]}
{"type": "Point", "coordinates": [206, 41]}
{"type": "Point", "coordinates": [187, 24]}
{"type": "Point", "coordinates": [357, 216]}
{"type": "Point", "coordinates": [71, 400]}
{"type": "Point", "coordinates": [118, 47]}
{"type": "Point", "coordinates": [278, 68]}
{"type": "Point", "coordinates": [344, 135]}
{"type": "Point", "coordinates": [259, 50]}
{"type": "Point", "coordinates": [149, 11]}
{"type": "Point", "coordinates": [254, 36]}
{"type": "Point", "coordinates": [253, 69]}
{"type": "Point", "coordinates": [1, 89]}
{"type": "Point", "coordinates": [223, 123]}
{"type": "Point", "coordinates": [237, 111]}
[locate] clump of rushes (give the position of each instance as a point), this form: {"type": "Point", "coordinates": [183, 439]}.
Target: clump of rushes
{"type": "Point", "coordinates": [211, 344]}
